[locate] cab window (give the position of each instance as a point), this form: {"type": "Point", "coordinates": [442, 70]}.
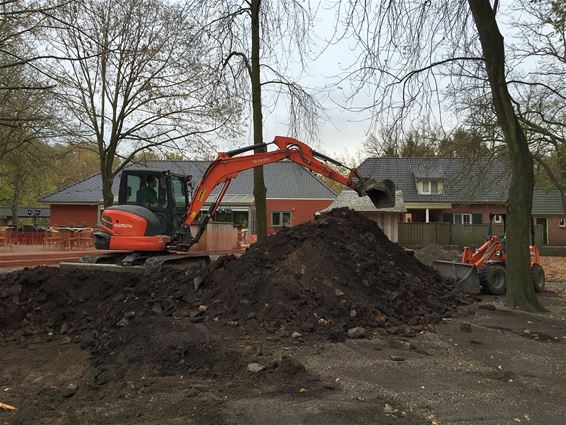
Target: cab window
{"type": "Point", "coordinates": [178, 193]}
{"type": "Point", "coordinates": [133, 188]}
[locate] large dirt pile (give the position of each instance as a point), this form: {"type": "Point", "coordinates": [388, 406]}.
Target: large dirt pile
{"type": "Point", "coordinates": [323, 277]}
{"type": "Point", "coordinates": [327, 276]}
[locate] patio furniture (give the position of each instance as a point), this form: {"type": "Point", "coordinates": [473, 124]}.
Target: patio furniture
{"type": "Point", "coordinates": [57, 239]}
{"type": "Point", "coordinates": [6, 239]}
{"type": "Point", "coordinates": [82, 238]}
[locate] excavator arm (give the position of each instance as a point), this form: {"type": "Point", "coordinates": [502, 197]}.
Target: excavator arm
{"type": "Point", "coordinates": [228, 164]}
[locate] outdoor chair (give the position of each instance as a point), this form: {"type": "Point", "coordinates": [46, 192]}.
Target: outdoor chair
{"type": "Point", "coordinates": [82, 239]}
{"type": "Point", "coordinates": [6, 239]}
{"type": "Point", "coordinates": [57, 239]}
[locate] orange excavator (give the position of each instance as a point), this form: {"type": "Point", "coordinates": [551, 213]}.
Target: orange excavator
{"type": "Point", "coordinates": [484, 268]}
{"type": "Point", "coordinates": [151, 227]}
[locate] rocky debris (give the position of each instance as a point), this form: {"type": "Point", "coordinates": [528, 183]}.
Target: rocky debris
{"type": "Point", "coordinates": [397, 358]}
{"type": "Point", "coordinates": [69, 390]}
{"type": "Point", "coordinates": [356, 333]}
{"type": "Point", "coordinates": [487, 307]}
{"type": "Point", "coordinates": [399, 344]}
{"type": "Point", "coordinates": [466, 327]}
{"type": "Point", "coordinates": [428, 254]}
{"type": "Point", "coordinates": [255, 367]}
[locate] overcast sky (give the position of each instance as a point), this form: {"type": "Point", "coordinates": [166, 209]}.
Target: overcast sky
{"type": "Point", "coordinates": [341, 131]}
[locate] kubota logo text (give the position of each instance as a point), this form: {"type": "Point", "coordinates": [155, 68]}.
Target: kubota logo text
{"type": "Point", "coordinates": [126, 225]}
{"type": "Point", "coordinates": [201, 194]}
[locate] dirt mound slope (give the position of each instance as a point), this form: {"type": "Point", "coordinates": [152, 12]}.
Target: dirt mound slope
{"type": "Point", "coordinates": [327, 276]}
{"type": "Point", "coordinates": [323, 278]}
{"type": "Point", "coordinates": [430, 253]}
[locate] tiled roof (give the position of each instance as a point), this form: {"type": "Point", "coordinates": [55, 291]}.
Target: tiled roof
{"type": "Point", "coordinates": [547, 202]}
{"type": "Point", "coordinates": [465, 181]}
{"type": "Point", "coordinates": [428, 170]}
{"type": "Point", "coordinates": [283, 180]}
{"type": "Point", "coordinates": [350, 199]}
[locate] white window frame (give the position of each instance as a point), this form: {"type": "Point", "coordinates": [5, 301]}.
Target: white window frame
{"type": "Point", "coordinates": [280, 213]}
{"type": "Point", "coordinates": [461, 216]}
{"type": "Point", "coordinates": [498, 219]}
{"type": "Point", "coordinates": [427, 187]}
{"type": "Point", "coordinates": [562, 222]}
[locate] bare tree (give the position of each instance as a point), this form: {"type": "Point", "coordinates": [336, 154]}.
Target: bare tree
{"type": "Point", "coordinates": [539, 86]}
{"type": "Point", "coordinates": [535, 77]}
{"type": "Point", "coordinates": [137, 77]}
{"type": "Point", "coordinates": [257, 39]}
{"type": "Point", "coordinates": [415, 50]}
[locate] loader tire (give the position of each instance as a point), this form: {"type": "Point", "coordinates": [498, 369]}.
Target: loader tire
{"type": "Point", "coordinates": [539, 281]}
{"type": "Point", "coordinates": [493, 279]}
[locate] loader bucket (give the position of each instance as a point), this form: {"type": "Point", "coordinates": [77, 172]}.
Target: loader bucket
{"type": "Point", "coordinates": [465, 276]}
{"type": "Point", "coordinates": [381, 193]}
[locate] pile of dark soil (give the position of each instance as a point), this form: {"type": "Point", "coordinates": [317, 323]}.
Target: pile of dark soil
{"type": "Point", "coordinates": [325, 277]}
{"type": "Point", "coordinates": [432, 252]}
{"type": "Point", "coordinates": [123, 315]}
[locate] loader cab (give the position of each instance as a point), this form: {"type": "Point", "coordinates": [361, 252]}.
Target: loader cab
{"type": "Point", "coordinates": [162, 192]}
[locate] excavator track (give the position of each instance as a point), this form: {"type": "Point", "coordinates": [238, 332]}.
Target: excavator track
{"type": "Point", "coordinates": [139, 262]}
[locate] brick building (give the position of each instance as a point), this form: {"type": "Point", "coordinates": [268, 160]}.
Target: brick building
{"type": "Point", "coordinates": [462, 191]}
{"type": "Point", "coordinates": [294, 195]}
{"type": "Point", "coordinates": [548, 211]}
{"type": "Point", "coordinates": [450, 190]}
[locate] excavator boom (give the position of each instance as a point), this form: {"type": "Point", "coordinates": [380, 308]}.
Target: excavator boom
{"type": "Point", "coordinates": [227, 166]}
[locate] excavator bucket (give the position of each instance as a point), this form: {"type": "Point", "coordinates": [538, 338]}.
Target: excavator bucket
{"type": "Point", "coordinates": [381, 193]}
{"type": "Point", "coordinates": [465, 276]}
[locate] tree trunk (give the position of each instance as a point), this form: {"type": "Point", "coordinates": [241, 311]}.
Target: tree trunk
{"type": "Point", "coordinates": [107, 179]}
{"type": "Point", "coordinates": [520, 288]}
{"type": "Point", "coordinates": [17, 194]}
{"type": "Point", "coordinates": [260, 192]}
{"type": "Point", "coordinates": [561, 153]}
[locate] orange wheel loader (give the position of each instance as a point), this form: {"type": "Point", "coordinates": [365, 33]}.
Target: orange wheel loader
{"type": "Point", "coordinates": [484, 268]}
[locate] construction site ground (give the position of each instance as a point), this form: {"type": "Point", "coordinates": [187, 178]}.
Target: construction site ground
{"type": "Point", "coordinates": [494, 375]}
{"type": "Point", "coordinates": [159, 355]}
{"type": "Point", "coordinates": [509, 369]}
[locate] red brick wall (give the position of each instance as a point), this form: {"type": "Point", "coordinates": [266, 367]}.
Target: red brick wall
{"type": "Point", "coordinates": [73, 215]}
{"type": "Point", "coordinates": [435, 215]}
{"type": "Point", "coordinates": [301, 210]}
{"type": "Point", "coordinates": [556, 234]}
{"type": "Point", "coordinates": [477, 209]}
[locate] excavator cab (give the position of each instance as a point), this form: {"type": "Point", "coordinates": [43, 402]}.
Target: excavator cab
{"type": "Point", "coordinates": [161, 192]}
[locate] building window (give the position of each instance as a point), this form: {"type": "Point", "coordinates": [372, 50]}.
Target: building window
{"type": "Point", "coordinates": [498, 219]}
{"type": "Point", "coordinates": [280, 218]}
{"type": "Point", "coordinates": [430, 187]}
{"type": "Point", "coordinates": [462, 218]}
{"type": "Point", "coordinates": [562, 222]}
